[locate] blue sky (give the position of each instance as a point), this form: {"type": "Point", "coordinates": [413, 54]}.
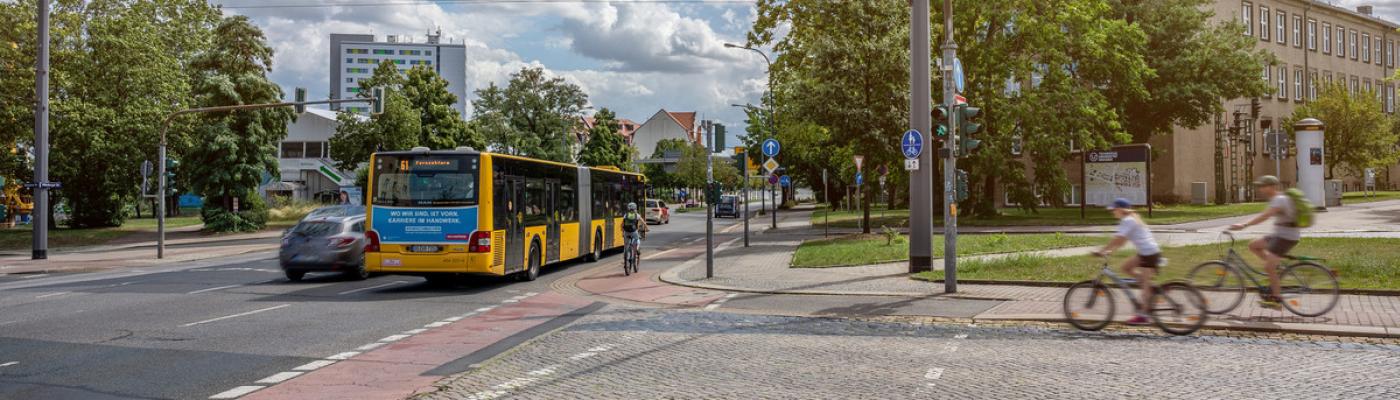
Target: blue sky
{"type": "Point", "coordinates": [634, 58]}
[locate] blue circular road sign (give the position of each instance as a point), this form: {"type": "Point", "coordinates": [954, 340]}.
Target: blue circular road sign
{"type": "Point", "coordinates": [771, 147]}
{"type": "Point", "coordinates": [860, 178]}
{"type": "Point", "coordinates": [785, 181]}
{"type": "Point", "coordinates": [957, 74]}
{"type": "Point", "coordinates": [912, 143]}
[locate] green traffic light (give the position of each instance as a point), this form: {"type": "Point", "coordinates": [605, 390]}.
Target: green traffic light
{"type": "Point", "coordinates": [941, 130]}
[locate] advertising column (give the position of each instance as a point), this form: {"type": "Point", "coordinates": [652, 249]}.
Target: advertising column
{"type": "Point", "coordinates": [1311, 159]}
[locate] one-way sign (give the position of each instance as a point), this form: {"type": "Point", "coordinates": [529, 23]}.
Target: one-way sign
{"type": "Point", "coordinates": [912, 144]}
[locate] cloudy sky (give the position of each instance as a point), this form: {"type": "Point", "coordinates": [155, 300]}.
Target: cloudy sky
{"type": "Point", "coordinates": [633, 58]}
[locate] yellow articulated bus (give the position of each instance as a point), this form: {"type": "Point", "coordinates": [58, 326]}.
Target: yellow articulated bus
{"type": "Point", "coordinates": [445, 213]}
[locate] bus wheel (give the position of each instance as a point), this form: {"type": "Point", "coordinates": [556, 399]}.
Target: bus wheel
{"type": "Point", "coordinates": [532, 270]}
{"type": "Point", "coordinates": [597, 253]}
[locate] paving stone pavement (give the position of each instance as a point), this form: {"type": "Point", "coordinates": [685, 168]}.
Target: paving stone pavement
{"type": "Point", "coordinates": [622, 352]}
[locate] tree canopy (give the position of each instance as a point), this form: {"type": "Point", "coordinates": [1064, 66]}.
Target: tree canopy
{"type": "Point", "coordinates": [534, 115]}
{"type": "Point", "coordinates": [1358, 135]}
{"type": "Point", "coordinates": [605, 146]}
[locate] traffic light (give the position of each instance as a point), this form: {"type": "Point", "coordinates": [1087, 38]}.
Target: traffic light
{"type": "Point", "coordinates": [1254, 108]}
{"type": "Point", "coordinates": [967, 126]}
{"type": "Point", "coordinates": [940, 122]}
{"type": "Point", "coordinates": [713, 191]}
{"type": "Point", "coordinates": [170, 165]}
{"type": "Point", "coordinates": [377, 106]}
{"type": "Point", "coordinates": [300, 99]}
{"type": "Point", "coordinates": [962, 185]}
{"type": "Point", "coordinates": [719, 137]}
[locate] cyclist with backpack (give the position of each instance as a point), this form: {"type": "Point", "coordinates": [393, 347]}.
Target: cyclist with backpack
{"type": "Point", "coordinates": [633, 225]}
{"type": "Point", "coordinates": [1290, 211]}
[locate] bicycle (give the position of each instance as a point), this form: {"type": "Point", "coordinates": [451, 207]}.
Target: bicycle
{"type": "Point", "coordinates": [1176, 307]}
{"type": "Point", "coordinates": [632, 254]}
{"type": "Point", "coordinates": [1308, 288]}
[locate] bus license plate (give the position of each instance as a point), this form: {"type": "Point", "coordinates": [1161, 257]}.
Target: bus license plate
{"type": "Point", "coordinates": [424, 249]}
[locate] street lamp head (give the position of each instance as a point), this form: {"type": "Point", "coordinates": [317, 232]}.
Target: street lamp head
{"type": "Point", "coordinates": [733, 46]}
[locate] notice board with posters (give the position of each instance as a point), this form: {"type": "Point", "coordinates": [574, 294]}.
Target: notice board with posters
{"type": "Point", "coordinates": [1122, 171]}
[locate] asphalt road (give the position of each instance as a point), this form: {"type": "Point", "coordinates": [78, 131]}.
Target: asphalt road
{"type": "Point", "coordinates": [192, 331]}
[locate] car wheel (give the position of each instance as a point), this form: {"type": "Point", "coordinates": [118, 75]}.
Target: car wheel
{"type": "Point", "coordinates": [359, 273]}
{"type": "Point", "coordinates": [532, 268]}
{"type": "Point", "coordinates": [295, 276]}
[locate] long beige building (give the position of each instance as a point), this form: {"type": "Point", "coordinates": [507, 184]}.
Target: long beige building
{"type": "Point", "coordinates": [1315, 43]}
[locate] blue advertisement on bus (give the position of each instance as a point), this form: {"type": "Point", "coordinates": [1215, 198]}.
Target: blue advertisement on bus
{"type": "Point", "coordinates": [444, 225]}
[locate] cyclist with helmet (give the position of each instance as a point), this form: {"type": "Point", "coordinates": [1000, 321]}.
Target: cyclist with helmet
{"type": "Point", "coordinates": [633, 225]}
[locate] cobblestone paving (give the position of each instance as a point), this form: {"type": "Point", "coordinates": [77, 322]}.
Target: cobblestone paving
{"type": "Point", "coordinates": [638, 353]}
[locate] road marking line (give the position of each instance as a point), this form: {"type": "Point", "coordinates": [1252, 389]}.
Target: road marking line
{"type": "Point", "coordinates": [515, 383]}
{"type": "Point", "coordinates": [236, 392]}
{"type": "Point", "coordinates": [370, 346]}
{"type": "Point", "coordinates": [960, 336]}
{"type": "Point", "coordinates": [280, 377]}
{"type": "Point", "coordinates": [719, 302]}
{"type": "Point", "coordinates": [487, 395]}
{"type": "Point", "coordinates": [546, 371]}
{"type": "Point", "coordinates": [528, 294]}
{"type": "Point", "coordinates": [510, 301]}
{"type": "Point", "coordinates": [314, 365]}
{"type": "Point", "coordinates": [213, 289]}
{"type": "Point", "coordinates": [712, 307]}
{"type": "Point", "coordinates": [33, 276]}
{"type": "Point", "coordinates": [934, 373]}
{"type": "Point", "coordinates": [437, 324]}
{"type": "Point", "coordinates": [235, 315]}
{"type": "Point", "coordinates": [485, 309]}
{"type": "Point", "coordinates": [394, 338]}
{"type": "Point", "coordinates": [344, 356]}
{"type": "Point", "coordinates": [51, 294]}
{"type": "Point", "coordinates": [582, 355]}
{"type": "Point", "coordinates": [9, 363]}
{"type": "Point", "coordinates": [658, 254]}
{"type": "Point", "coordinates": [415, 331]}
{"type": "Point", "coordinates": [370, 288]}
{"type": "Point", "coordinates": [454, 319]}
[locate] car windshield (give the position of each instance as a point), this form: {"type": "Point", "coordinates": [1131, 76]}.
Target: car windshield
{"type": "Point", "coordinates": [336, 211]}
{"type": "Point", "coordinates": [317, 228]}
{"type": "Point", "coordinates": [652, 204]}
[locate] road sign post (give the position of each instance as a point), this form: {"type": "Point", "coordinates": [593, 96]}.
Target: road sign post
{"type": "Point", "coordinates": [770, 148]}
{"type": "Point", "coordinates": [950, 164]}
{"type": "Point", "coordinates": [709, 200]}
{"type": "Point", "coordinates": [745, 191]}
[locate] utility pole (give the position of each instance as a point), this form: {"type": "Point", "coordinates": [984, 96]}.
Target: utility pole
{"type": "Point", "coordinates": [41, 138]}
{"type": "Point", "coordinates": [746, 198]}
{"type": "Point", "coordinates": [920, 180]}
{"type": "Point", "coordinates": [950, 160]}
{"type": "Point", "coordinates": [710, 197]}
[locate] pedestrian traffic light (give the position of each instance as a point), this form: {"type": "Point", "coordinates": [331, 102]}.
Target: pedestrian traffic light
{"type": "Point", "coordinates": [300, 100]}
{"type": "Point", "coordinates": [962, 185]}
{"type": "Point", "coordinates": [377, 106]}
{"type": "Point", "coordinates": [940, 121]}
{"type": "Point", "coordinates": [967, 126]}
{"type": "Point", "coordinates": [170, 165]}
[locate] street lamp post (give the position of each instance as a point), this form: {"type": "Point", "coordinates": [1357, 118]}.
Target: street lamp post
{"type": "Point", "coordinates": [772, 106]}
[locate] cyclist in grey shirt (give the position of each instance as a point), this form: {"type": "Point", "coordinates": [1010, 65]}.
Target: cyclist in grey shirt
{"type": "Point", "coordinates": [1277, 244]}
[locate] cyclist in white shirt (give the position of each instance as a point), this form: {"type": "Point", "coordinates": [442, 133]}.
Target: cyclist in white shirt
{"type": "Point", "coordinates": [1142, 266]}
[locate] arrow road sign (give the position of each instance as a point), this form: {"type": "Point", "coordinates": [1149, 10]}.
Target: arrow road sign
{"type": "Point", "coordinates": [770, 165]}
{"type": "Point", "coordinates": [957, 74]}
{"type": "Point", "coordinates": [860, 178]}
{"type": "Point", "coordinates": [912, 144]}
{"type": "Point", "coordinates": [771, 147]}
{"type": "Point", "coordinates": [785, 181]}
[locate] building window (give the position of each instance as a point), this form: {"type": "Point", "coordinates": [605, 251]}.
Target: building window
{"type": "Point", "coordinates": [349, 61]}
{"type": "Point", "coordinates": [383, 52]}
{"type": "Point", "coordinates": [349, 80]}
{"type": "Point", "coordinates": [356, 51]}
{"type": "Point", "coordinates": [1268, 74]}
{"type": "Point", "coordinates": [1248, 11]}
{"type": "Point", "coordinates": [1355, 85]}
{"type": "Point", "coordinates": [293, 149]}
{"type": "Point", "coordinates": [1327, 75]}
{"type": "Point", "coordinates": [1297, 83]}
{"type": "Point", "coordinates": [1297, 31]}
{"type": "Point", "coordinates": [1341, 41]}
{"type": "Point", "coordinates": [1366, 85]}
{"type": "Point", "coordinates": [1390, 53]}
{"type": "Point", "coordinates": [1390, 98]}
{"type": "Point", "coordinates": [1378, 58]}
{"type": "Point", "coordinates": [1366, 47]}
{"type": "Point", "coordinates": [315, 149]}
{"type": "Point", "coordinates": [1351, 44]}
{"type": "Point", "coordinates": [1312, 34]}
{"type": "Point", "coordinates": [1263, 23]}
{"type": "Point", "coordinates": [1326, 38]}
{"type": "Point", "coordinates": [400, 62]}
{"type": "Point", "coordinates": [1312, 85]}
{"type": "Point", "coordinates": [1280, 27]}
{"type": "Point", "coordinates": [352, 89]}
{"type": "Point", "coordinates": [1282, 92]}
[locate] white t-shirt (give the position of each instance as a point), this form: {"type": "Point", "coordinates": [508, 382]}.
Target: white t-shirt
{"type": "Point", "coordinates": [1135, 231]}
{"type": "Point", "coordinates": [1284, 226]}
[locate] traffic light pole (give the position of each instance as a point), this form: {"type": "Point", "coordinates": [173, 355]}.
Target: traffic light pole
{"type": "Point", "coordinates": [41, 138]}
{"type": "Point", "coordinates": [709, 199]}
{"type": "Point", "coordinates": [165, 127]}
{"type": "Point", "coordinates": [950, 159]}
{"type": "Point", "coordinates": [746, 198]}
{"type": "Point", "coordinates": [921, 179]}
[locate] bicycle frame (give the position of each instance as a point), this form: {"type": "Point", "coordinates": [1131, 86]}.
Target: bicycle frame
{"type": "Point", "coordinates": [1234, 259]}
{"type": "Point", "coordinates": [1123, 285]}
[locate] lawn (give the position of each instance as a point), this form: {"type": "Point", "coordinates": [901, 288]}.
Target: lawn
{"type": "Point", "coordinates": [872, 249]}
{"type": "Point", "coordinates": [1173, 214]}
{"type": "Point", "coordinates": [1358, 197]}
{"type": "Point", "coordinates": [1361, 263]}
{"type": "Point", "coordinates": [21, 236]}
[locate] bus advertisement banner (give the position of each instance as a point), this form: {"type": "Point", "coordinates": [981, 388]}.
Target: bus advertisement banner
{"type": "Point", "coordinates": [441, 225]}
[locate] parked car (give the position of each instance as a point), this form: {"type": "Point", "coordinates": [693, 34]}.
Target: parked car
{"type": "Point", "coordinates": [657, 212]}
{"type": "Point", "coordinates": [728, 206]}
{"type": "Point", "coordinates": [330, 244]}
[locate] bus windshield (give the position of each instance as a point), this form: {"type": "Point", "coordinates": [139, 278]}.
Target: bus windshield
{"type": "Point", "coordinates": [405, 180]}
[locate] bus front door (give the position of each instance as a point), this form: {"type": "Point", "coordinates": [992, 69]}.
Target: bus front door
{"type": "Point", "coordinates": [551, 201]}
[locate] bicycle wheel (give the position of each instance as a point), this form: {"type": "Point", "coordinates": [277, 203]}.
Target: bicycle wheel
{"type": "Point", "coordinates": [627, 261]}
{"type": "Point", "coordinates": [1221, 284]}
{"type": "Point", "coordinates": [1089, 305]}
{"type": "Point", "coordinates": [1308, 289]}
{"type": "Point", "coordinates": [1178, 308]}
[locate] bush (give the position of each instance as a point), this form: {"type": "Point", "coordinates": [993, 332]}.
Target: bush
{"type": "Point", "coordinates": [291, 211]}
{"type": "Point", "coordinates": [787, 205]}
{"type": "Point", "coordinates": [251, 216]}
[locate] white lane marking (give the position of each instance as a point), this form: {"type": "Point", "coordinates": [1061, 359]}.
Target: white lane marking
{"type": "Point", "coordinates": [658, 254]}
{"type": "Point", "coordinates": [960, 336]}
{"type": "Point", "coordinates": [487, 395]}
{"type": "Point", "coordinates": [394, 338]}
{"type": "Point", "coordinates": [933, 374]}
{"type": "Point", "coordinates": [33, 276]}
{"type": "Point", "coordinates": [485, 309]}
{"type": "Point", "coordinates": [9, 363]}
{"type": "Point", "coordinates": [718, 303]}
{"type": "Point", "coordinates": [314, 365]}
{"type": "Point", "coordinates": [454, 319]}
{"type": "Point", "coordinates": [515, 383]}
{"type": "Point", "coordinates": [370, 288]}
{"type": "Point", "coordinates": [582, 355]}
{"type": "Point", "coordinates": [344, 356]}
{"type": "Point", "coordinates": [546, 371]}
{"type": "Point", "coordinates": [213, 289]}
{"type": "Point", "coordinates": [236, 392]}
{"type": "Point", "coordinates": [510, 301]}
{"type": "Point", "coordinates": [280, 377]}
{"type": "Point", "coordinates": [437, 324]}
{"type": "Point", "coordinates": [370, 346]}
{"type": "Point", "coordinates": [51, 294]}
{"type": "Point", "coordinates": [528, 294]}
{"type": "Point", "coordinates": [236, 315]}
{"type": "Point", "coordinates": [415, 331]}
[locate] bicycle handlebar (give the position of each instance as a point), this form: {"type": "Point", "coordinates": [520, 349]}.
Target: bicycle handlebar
{"type": "Point", "coordinates": [1230, 235]}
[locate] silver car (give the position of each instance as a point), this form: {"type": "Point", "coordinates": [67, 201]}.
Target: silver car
{"type": "Point", "coordinates": [325, 244]}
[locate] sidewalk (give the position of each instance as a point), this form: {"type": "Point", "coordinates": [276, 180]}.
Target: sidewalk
{"type": "Point", "coordinates": [140, 254]}
{"type": "Point", "coordinates": [763, 268]}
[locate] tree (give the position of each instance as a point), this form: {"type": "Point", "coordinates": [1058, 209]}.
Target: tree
{"type": "Point", "coordinates": [399, 127]}
{"type": "Point", "coordinates": [533, 115]}
{"type": "Point", "coordinates": [1358, 135]}
{"type": "Point", "coordinates": [656, 172]}
{"type": "Point", "coordinates": [235, 147]}
{"type": "Point", "coordinates": [440, 125]}
{"type": "Point", "coordinates": [605, 146]}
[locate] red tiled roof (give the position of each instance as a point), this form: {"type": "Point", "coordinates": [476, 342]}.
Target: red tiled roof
{"type": "Point", "coordinates": [687, 121]}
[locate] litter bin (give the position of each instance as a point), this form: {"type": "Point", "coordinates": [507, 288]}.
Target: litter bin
{"type": "Point", "coordinates": [1334, 193]}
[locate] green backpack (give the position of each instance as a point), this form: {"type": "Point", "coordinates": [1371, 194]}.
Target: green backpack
{"type": "Point", "coordinates": [1302, 208]}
